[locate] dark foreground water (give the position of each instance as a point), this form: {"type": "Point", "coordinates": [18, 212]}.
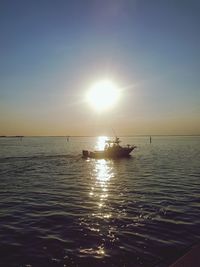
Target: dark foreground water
{"type": "Point", "coordinates": [57, 209]}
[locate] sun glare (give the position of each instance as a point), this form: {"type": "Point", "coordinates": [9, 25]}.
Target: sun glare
{"type": "Point", "coordinates": [101, 142]}
{"type": "Point", "coordinates": [103, 95]}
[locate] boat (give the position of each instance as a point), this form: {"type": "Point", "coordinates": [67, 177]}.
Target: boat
{"type": "Point", "coordinates": [112, 149]}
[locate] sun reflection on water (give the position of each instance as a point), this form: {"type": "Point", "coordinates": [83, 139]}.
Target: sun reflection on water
{"type": "Point", "coordinates": [102, 174]}
{"type": "Point", "coordinates": [98, 222]}
{"type": "Point", "coordinates": [97, 225]}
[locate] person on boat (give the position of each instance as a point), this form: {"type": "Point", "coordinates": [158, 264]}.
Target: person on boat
{"type": "Point", "coordinates": [106, 147]}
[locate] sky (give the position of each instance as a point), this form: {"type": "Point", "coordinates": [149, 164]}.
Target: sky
{"type": "Point", "coordinates": [52, 51]}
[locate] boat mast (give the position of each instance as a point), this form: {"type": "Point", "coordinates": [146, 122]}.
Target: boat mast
{"type": "Point", "coordinates": [114, 132]}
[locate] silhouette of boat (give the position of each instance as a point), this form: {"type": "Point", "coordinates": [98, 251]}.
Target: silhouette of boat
{"type": "Point", "coordinates": [112, 150]}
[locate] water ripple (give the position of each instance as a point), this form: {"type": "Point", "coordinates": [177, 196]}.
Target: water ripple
{"type": "Point", "coordinates": [61, 210]}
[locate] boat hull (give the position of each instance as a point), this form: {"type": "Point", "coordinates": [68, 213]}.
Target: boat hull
{"type": "Point", "coordinates": [117, 153]}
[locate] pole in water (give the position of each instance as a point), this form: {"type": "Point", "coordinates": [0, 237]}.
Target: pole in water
{"type": "Point", "coordinates": [150, 139]}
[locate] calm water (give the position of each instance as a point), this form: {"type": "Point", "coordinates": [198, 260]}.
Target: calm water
{"type": "Point", "coordinates": [57, 209]}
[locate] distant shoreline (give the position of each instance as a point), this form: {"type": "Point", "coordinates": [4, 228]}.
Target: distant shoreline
{"type": "Point", "coordinates": [69, 136]}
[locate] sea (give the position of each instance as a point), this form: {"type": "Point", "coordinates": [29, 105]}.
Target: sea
{"type": "Point", "coordinates": [59, 209]}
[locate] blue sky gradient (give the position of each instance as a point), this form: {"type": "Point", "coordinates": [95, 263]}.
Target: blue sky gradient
{"type": "Point", "coordinates": [52, 51]}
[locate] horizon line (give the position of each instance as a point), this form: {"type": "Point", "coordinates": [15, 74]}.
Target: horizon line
{"type": "Point", "coordinates": [127, 135]}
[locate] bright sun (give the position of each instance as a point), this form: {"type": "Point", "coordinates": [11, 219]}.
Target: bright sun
{"type": "Point", "coordinates": [103, 95]}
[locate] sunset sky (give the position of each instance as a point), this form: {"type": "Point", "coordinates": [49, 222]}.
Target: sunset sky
{"type": "Point", "coordinates": [52, 52]}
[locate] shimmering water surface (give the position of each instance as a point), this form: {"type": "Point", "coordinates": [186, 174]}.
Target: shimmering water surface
{"type": "Point", "coordinates": [57, 209]}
